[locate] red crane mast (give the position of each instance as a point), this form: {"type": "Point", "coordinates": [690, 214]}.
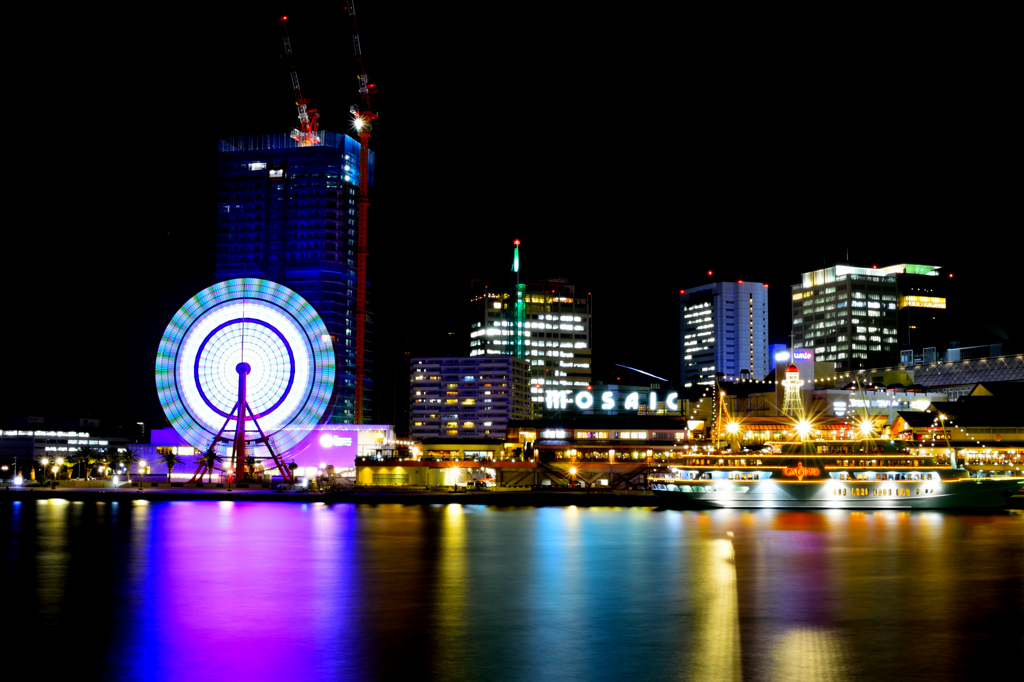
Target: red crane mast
{"type": "Point", "coordinates": [308, 131]}
{"type": "Point", "coordinates": [364, 116]}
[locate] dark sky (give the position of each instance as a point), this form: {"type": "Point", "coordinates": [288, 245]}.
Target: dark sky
{"type": "Point", "coordinates": [629, 152]}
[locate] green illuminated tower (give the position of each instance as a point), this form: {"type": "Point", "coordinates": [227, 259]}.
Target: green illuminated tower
{"type": "Point", "coordinates": [519, 308]}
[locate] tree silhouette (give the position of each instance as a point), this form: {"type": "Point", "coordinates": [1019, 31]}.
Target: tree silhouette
{"type": "Point", "coordinates": [87, 456]}
{"type": "Point", "coordinates": [209, 459]}
{"type": "Point", "coordinates": [171, 460]}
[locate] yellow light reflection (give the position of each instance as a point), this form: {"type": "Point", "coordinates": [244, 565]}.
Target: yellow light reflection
{"type": "Point", "coordinates": [716, 651]}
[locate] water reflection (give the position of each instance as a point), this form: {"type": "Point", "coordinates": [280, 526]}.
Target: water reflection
{"type": "Point", "coordinates": [187, 590]}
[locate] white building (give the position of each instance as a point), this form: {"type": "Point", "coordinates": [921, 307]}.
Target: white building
{"type": "Point", "coordinates": [723, 328]}
{"type": "Point", "coordinates": [551, 331]}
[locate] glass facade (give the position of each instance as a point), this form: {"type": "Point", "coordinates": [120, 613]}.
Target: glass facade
{"type": "Point", "coordinates": [288, 213]}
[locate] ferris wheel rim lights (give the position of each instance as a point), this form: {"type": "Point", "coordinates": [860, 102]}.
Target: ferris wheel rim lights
{"type": "Point", "coordinates": [266, 327]}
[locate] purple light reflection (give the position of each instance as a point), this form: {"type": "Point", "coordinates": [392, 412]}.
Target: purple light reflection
{"type": "Point", "coordinates": [251, 591]}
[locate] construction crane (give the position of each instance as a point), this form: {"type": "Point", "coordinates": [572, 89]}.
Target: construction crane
{"type": "Point", "coordinates": [307, 133]}
{"type": "Point", "coordinates": [363, 123]}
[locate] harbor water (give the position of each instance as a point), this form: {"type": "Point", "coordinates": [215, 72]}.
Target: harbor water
{"type": "Point", "coordinates": [206, 590]}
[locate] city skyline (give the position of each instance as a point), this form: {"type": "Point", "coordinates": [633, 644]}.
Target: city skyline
{"type": "Point", "coordinates": [632, 226]}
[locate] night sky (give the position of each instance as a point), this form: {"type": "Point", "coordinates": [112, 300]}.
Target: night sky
{"type": "Point", "coordinates": [629, 152]}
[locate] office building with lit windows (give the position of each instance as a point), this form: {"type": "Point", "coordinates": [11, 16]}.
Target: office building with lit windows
{"type": "Point", "coordinates": [723, 328]}
{"type": "Point", "coordinates": [288, 213]}
{"type": "Point", "coordinates": [921, 301]}
{"type": "Point", "coordinates": [554, 336]}
{"type": "Point", "coordinates": [852, 315]}
{"type": "Point", "coordinates": [467, 397]}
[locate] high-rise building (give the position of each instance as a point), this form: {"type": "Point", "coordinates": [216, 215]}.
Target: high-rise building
{"type": "Point", "coordinates": [288, 213]}
{"type": "Point", "coordinates": [922, 328]}
{"type": "Point", "coordinates": [553, 336]}
{"type": "Point", "coordinates": [851, 315]}
{"type": "Point", "coordinates": [723, 328]}
{"type": "Point", "coordinates": [467, 397]}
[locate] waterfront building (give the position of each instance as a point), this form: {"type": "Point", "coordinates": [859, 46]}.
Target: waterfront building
{"type": "Point", "coordinates": [922, 311]}
{"type": "Point", "coordinates": [553, 334]}
{"type": "Point", "coordinates": [22, 449]}
{"type": "Point", "coordinates": [723, 329]}
{"type": "Point", "coordinates": [953, 378]}
{"type": "Point", "coordinates": [467, 397]}
{"type": "Point", "coordinates": [852, 316]}
{"type": "Point", "coordinates": [335, 445]}
{"type": "Point", "coordinates": [985, 428]}
{"type": "Point", "coordinates": [288, 213]}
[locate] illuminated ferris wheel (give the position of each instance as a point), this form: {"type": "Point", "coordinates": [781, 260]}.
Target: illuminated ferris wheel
{"type": "Point", "coordinates": [245, 369]}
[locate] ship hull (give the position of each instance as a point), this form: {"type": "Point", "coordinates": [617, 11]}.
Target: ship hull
{"type": "Point", "coordinates": [837, 494]}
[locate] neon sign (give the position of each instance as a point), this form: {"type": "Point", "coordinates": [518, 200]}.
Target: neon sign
{"type": "Point", "coordinates": [800, 471]}
{"type": "Point", "coordinates": [328, 440]}
{"type": "Point", "coordinates": [803, 355]}
{"type": "Point", "coordinates": [924, 302]}
{"type": "Point", "coordinates": [584, 400]}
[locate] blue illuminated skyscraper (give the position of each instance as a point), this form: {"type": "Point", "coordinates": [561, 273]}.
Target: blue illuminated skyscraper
{"type": "Point", "coordinates": [723, 329]}
{"type": "Point", "coordinates": [288, 213]}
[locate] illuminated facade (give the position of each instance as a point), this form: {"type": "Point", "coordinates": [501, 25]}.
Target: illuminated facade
{"type": "Point", "coordinates": [288, 213]}
{"type": "Point", "coordinates": [555, 341]}
{"type": "Point", "coordinates": [922, 313]}
{"type": "Point", "coordinates": [467, 397]}
{"type": "Point", "coordinates": [723, 328]}
{"type": "Point", "coordinates": [37, 444]}
{"type": "Point", "coordinates": [848, 315]}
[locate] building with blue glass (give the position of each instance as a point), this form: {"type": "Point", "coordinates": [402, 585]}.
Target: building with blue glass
{"type": "Point", "coordinates": [723, 329]}
{"type": "Point", "coordinates": [288, 213]}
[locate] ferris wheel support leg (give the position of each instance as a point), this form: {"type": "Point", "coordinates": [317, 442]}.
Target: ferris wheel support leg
{"type": "Point", "coordinates": [198, 475]}
{"type": "Point", "coordinates": [238, 458]}
{"type": "Point", "coordinates": [201, 471]}
{"type": "Point", "coordinates": [286, 473]}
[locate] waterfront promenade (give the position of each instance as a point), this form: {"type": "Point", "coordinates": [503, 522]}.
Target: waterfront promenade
{"type": "Point", "coordinates": [494, 497]}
